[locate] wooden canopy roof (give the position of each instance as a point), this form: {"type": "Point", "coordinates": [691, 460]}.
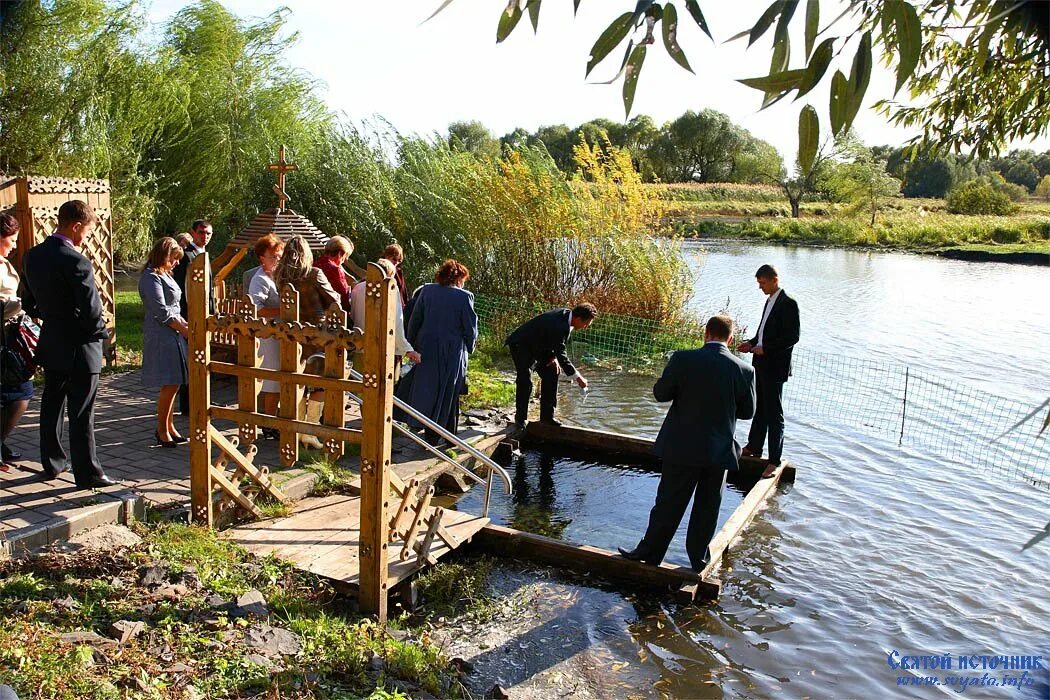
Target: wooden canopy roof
{"type": "Point", "coordinates": [284, 223]}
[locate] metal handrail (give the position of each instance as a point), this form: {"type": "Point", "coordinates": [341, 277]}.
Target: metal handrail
{"type": "Point", "coordinates": [455, 440]}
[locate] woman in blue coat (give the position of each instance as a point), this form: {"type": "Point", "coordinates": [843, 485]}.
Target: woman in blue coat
{"type": "Point", "coordinates": [164, 333]}
{"type": "Point", "coordinates": [443, 329]}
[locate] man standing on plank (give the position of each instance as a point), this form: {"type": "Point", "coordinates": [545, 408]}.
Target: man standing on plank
{"type": "Point", "coordinates": [772, 345]}
{"type": "Point", "coordinates": [710, 389]}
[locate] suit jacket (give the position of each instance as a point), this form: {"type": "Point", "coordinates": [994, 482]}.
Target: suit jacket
{"type": "Point", "coordinates": [778, 339]}
{"type": "Point", "coordinates": [179, 273]}
{"type": "Point", "coordinates": [60, 290]}
{"type": "Point", "coordinates": [544, 338]}
{"type": "Point", "coordinates": [709, 389]}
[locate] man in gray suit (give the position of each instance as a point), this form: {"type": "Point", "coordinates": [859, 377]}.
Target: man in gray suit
{"type": "Point", "coordinates": [710, 389]}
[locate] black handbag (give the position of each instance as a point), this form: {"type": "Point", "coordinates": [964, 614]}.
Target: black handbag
{"type": "Point", "coordinates": [17, 363]}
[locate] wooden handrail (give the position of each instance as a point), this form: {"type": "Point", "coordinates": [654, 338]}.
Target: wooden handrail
{"type": "Point", "coordinates": [325, 432]}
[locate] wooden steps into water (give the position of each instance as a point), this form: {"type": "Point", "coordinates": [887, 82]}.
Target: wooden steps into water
{"type": "Point", "coordinates": [323, 536]}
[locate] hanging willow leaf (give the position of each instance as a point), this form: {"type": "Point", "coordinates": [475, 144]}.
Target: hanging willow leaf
{"type": "Point", "coordinates": [533, 7]}
{"type": "Point", "coordinates": [808, 137]}
{"type": "Point", "coordinates": [812, 24]}
{"type": "Point", "coordinates": [838, 104]}
{"type": "Point", "coordinates": [858, 79]}
{"type": "Point", "coordinates": [435, 14]}
{"type": "Point", "coordinates": [609, 40]}
{"type": "Point", "coordinates": [508, 19]}
{"type": "Point", "coordinates": [818, 66]}
{"type": "Point", "coordinates": [575, 6]}
{"type": "Point", "coordinates": [630, 81]}
{"type": "Point", "coordinates": [669, 24]}
{"type": "Point", "coordinates": [781, 55]}
{"type": "Point", "coordinates": [778, 82]}
{"type": "Point", "coordinates": [694, 9]}
{"type": "Point", "coordinates": [909, 42]}
{"type": "Point", "coordinates": [787, 11]}
{"type": "Point", "coordinates": [764, 22]}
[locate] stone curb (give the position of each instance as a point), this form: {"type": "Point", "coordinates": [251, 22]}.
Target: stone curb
{"type": "Point", "coordinates": [120, 507]}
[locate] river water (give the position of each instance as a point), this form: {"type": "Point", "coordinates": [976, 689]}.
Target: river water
{"type": "Point", "coordinates": [877, 547]}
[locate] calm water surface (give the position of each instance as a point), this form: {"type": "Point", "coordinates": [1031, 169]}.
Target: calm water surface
{"type": "Point", "coordinates": [875, 547]}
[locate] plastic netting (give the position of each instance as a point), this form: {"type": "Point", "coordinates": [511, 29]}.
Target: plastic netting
{"type": "Point", "coordinates": [941, 416]}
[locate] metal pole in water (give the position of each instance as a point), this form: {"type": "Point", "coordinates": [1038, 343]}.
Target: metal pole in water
{"type": "Point", "coordinates": [488, 495]}
{"type": "Point", "coordinates": [904, 410]}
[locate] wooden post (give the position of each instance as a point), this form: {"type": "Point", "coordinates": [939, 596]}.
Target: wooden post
{"type": "Point", "coordinates": [376, 424]}
{"type": "Point", "coordinates": [291, 362]}
{"type": "Point", "coordinates": [334, 367]}
{"type": "Point", "coordinates": [200, 391]}
{"type": "Point", "coordinates": [247, 356]}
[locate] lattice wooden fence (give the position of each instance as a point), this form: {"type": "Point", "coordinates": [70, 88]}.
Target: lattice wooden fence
{"type": "Point", "coordinates": [34, 201]}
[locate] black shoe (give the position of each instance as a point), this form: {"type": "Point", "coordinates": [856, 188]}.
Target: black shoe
{"type": "Point", "coordinates": [163, 443]}
{"type": "Point", "coordinates": [271, 434]}
{"type": "Point", "coordinates": [51, 475]}
{"type": "Point", "coordinates": [551, 421]}
{"type": "Point", "coordinates": [9, 455]}
{"type": "Point", "coordinates": [99, 482]}
{"type": "Point", "coordinates": [180, 439]}
{"type": "Point", "coordinates": [633, 555]}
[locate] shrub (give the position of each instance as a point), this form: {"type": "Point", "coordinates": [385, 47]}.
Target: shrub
{"type": "Point", "coordinates": [977, 197]}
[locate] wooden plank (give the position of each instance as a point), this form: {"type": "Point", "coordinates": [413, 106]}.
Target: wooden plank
{"type": "Point", "coordinates": [200, 392]}
{"type": "Point", "coordinates": [336, 385]}
{"type": "Point", "coordinates": [376, 424]}
{"type": "Point", "coordinates": [247, 467]}
{"type": "Point", "coordinates": [743, 514]}
{"type": "Point", "coordinates": [413, 529]}
{"type": "Point", "coordinates": [428, 539]}
{"type": "Point", "coordinates": [583, 438]}
{"type": "Point", "coordinates": [291, 394]}
{"type": "Point", "coordinates": [247, 385]}
{"type": "Point", "coordinates": [322, 431]}
{"type": "Point", "coordinates": [508, 542]}
{"type": "Point", "coordinates": [407, 499]}
{"type": "Point", "coordinates": [233, 491]}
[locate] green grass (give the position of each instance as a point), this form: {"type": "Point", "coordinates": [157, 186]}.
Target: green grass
{"type": "Point", "coordinates": [489, 379]}
{"type": "Point", "coordinates": [130, 313]}
{"type": "Point", "coordinates": [336, 642]}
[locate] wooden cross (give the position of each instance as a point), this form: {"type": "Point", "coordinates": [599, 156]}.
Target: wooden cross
{"type": "Point", "coordinates": [281, 167]}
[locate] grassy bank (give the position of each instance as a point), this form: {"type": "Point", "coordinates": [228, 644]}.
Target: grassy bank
{"type": "Point", "coordinates": [761, 213]}
{"type": "Point", "coordinates": [182, 583]}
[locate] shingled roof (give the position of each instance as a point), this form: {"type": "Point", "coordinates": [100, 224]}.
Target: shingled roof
{"type": "Point", "coordinates": [285, 223]}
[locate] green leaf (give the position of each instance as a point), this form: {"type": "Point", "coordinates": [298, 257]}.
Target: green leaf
{"type": "Point", "coordinates": [818, 66]}
{"type": "Point", "coordinates": [508, 19]}
{"type": "Point", "coordinates": [575, 6]}
{"type": "Point", "coordinates": [781, 55]}
{"type": "Point", "coordinates": [812, 24]}
{"type": "Point", "coordinates": [839, 102]}
{"type": "Point", "coordinates": [533, 7]}
{"type": "Point", "coordinates": [694, 9]}
{"type": "Point", "coordinates": [630, 81]}
{"type": "Point", "coordinates": [909, 42]}
{"type": "Point", "coordinates": [669, 24]}
{"type": "Point", "coordinates": [787, 11]}
{"type": "Point", "coordinates": [858, 79]}
{"type": "Point", "coordinates": [808, 137]}
{"type": "Point", "coordinates": [764, 21]}
{"type": "Point", "coordinates": [777, 82]}
{"type": "Point", "coordinates": [440, 8]}
{"type": "Point", "coordinates": [610, 39]}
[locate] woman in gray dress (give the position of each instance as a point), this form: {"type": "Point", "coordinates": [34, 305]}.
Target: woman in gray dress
{"type": "Point", "coordinates": [164, 333]}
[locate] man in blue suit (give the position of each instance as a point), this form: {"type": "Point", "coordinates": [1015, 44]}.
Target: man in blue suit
{"type": "Point", "coordinates": [710, 389]}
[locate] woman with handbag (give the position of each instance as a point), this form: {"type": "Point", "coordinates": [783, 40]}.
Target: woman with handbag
{"type": "Point", "coordinates": [164, 333]}
{"type": "Point", "coordinates": [14, 397]}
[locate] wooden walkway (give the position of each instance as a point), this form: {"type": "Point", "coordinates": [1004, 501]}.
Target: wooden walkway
{"type": "Point", "coordinates": [322, 536]}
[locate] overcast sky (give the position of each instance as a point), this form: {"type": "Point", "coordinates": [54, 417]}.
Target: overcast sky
{"type": "Point", "coordinates": [379, 58]}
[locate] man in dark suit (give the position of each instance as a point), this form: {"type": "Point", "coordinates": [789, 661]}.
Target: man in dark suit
{"type": "Point", "coordinates": [778, 331]}
{"type": "Point", "coordinates": [201, 232]}
{"type": "Point", "coordinates": [539, 344]}
{"type": "Point", "coordinates": [709, 389]}
{"type": "Point", "coordinates": [60, 290]}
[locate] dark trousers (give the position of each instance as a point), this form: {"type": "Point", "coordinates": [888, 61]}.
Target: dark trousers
{"type": "Point", "coordinates": [77, 392]}
{"type": "Point", "coordinates": [769, 416]}
{"type": "Point", "coordinates": [524, 365]}
{"type": "Point", "coordinates": [678, 484]}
